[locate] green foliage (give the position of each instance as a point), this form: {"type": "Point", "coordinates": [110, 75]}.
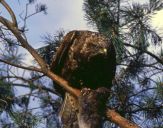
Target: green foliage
{"type": "Point", "coordinates": [53, 43]}
{"type": "Point", "coordinates": [156, 5]}
{"type": "Point", "coordinates": [101, 14]}
{"type": "Point", "coordinates": [26, 119]}
{"type": "Point", "coordinates": [6, 96]}
{"type": "Point", "coordinates": [159, 89]}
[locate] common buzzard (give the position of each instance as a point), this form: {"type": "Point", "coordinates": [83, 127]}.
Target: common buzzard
{"type": "Point", "coordinates": [84, 59]}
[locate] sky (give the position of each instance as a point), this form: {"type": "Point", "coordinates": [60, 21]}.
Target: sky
{"type": "Point", "coordinates": [66, 14]}
{"type": "Point", "coordinates": [157, 21]}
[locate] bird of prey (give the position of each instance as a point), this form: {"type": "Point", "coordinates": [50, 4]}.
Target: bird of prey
{"type": "Point", "coordinates": [86, 60]}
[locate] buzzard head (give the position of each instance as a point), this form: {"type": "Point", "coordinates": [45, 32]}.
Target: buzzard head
{"type": "Point", "coordinates": [95, 47]}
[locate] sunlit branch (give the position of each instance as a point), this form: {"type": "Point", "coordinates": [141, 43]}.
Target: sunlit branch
{"type": "Point", "coordinates": [119, 120]}
{"type": "Point", "coordinates": [10, 12]}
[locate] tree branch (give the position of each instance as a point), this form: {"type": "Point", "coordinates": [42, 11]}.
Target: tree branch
{"type": "Point", "coordinates": [119, 120]}
{"type": "Point", "coordinates": [38, 87]}
{"type": "Point", "coordinates": [147, 52]}
{"type": "Point", "coordinates": [63, 83]}
{"type": "Point", "coordinates": [60, 81]}
{"type": "Point", "coordinates": [24, 43]}
{"type": "Point", "coordinates": [111, 114]}
{"type": "Point", "coordinates": [20, 66]}
{"type": "Point", "coordinates": [29, 81]}
{"type": "Point", "coordinates": [10, 12]}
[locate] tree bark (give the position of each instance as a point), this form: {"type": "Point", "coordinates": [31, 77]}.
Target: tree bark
{"type": "Point", "coordinates": [119, 120]}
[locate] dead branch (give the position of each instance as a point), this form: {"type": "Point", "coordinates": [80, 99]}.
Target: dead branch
{"type": "Point", "coordinates": [10, 12]}
{"type": "Point", "coordinates": [20, 66]}
{"type": "Point", "coordinates": [63, 83]}
{"type": "Point", "coordinates": [24, 43]}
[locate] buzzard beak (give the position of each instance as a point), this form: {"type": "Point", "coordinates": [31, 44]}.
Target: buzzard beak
{"type": "Point", "coordinates": [101, 53]}
{"type": "Point", "coordinates": [104, 51]}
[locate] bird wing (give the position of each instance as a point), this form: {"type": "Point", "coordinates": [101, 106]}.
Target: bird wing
{"type": "Point", "coordinates": [59, 59]}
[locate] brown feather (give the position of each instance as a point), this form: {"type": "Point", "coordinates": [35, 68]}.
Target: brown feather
{"type": "Point", "coordinates": [84, 59]}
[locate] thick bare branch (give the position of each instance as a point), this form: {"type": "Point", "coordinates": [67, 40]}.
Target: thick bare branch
{"type": "Point", "coordinates": [63, 83]}
{"type": "Point", "coordinates": [119, 120]}
{"type": "Point", "coordinates": [24, 43]}
{"type": "Point", "coordinates": [14, 21]}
